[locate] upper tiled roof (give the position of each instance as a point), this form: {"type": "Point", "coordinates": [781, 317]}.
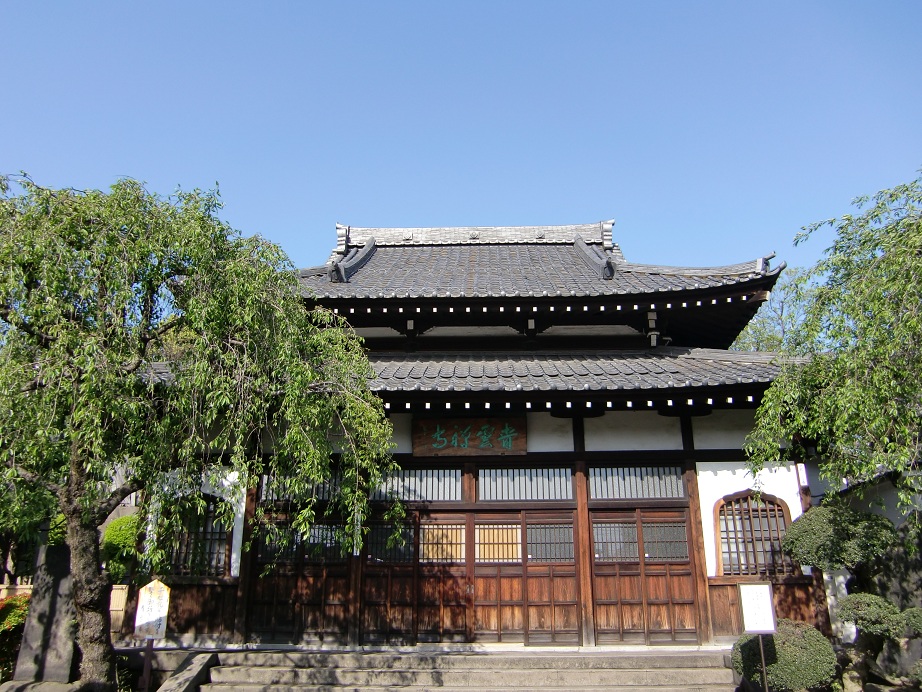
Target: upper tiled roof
{"type": "Point", "coordinates": [529, 261]}
{"type": "Point", "coordinates": [570, 371]}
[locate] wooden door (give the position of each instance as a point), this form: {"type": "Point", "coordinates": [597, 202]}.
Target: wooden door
{"type": "Point", "coordinates": [525, 579]}
{"type": "Point", "coordinates": [551, 583]}
{"type": "Point", "coordinates": [499, 594]}
{"type": "Point", "coordinates": [443, 607]}
{"type": "Point", "coordinates": [643, 581]}
{"type": "Point", "coordinates": [304, 598]}
{"type": "Point", "coordinates": [416, 589]}
{"type": "Point", "coordinates": [389, 586]}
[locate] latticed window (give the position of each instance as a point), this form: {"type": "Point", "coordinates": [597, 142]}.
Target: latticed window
{"type": "Point", "coordinates": [665, 541]}
{"type": "Point", "coordinates": [549, 542]}
{"type": "Point", "coordinates": [202, 549]}
{"type": "Point", "coordinates": [498, 543]}
{"type": "Point", "coordinates": [751, 529]}
{"type": "Point", "coordinates": [441, 543]}
{"type": "Point", "coordinates": [387, 543]}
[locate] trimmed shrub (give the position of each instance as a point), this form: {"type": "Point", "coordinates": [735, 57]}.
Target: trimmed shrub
{"type": "Point", "coordinates": [872, 615]}
{"type": "Point", "coordinates": [915, 674]}
{"type": "Point", "coordinates": [832, 537]}
{"type": "Point", "coordinates": [913, 619]}
{"type": "Point", "coordinates": [118, 546]}
{"type": "Point", "coordinates": [797, 656]}
{"type": "Point", "coordinates": [13, 613]}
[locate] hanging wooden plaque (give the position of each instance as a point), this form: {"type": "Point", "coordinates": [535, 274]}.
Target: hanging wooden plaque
{"type": "Point", "coordinates": [467, 437]}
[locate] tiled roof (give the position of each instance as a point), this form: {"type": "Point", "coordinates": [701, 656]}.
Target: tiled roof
{"type": "Point", "coordinates": [570, 371]}
{"type": "Point", "coordinates": [533, 261]}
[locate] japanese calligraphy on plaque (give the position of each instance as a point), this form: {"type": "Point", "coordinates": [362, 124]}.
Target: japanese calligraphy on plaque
{"type": "Point", "coordinates": [458, 437]}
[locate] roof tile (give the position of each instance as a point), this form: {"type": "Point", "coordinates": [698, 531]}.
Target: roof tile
{"type": "Point", "coordinates": [659, 368]}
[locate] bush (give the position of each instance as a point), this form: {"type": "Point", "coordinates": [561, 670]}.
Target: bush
{"type": "Point", "coordinates": [118, 546]}
{"type": "Point", "coordinates": [913, 619]}
{"type": "Point", "coordinates": [872, 615]}
{"type": "Point", "coordinates": [13, 613]}
{"type": "Point", "coordinates": [57, 530]}
{"type": "Point", "coordinates": [832, 537]}
{"type": "Point", "coordinates": [797, 656]}
{"type": "Point", "coordinates": [915, 674]}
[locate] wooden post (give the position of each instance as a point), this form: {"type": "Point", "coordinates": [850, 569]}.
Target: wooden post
{"type": "Point", "coordinates": [144, 682]}
{"type": "Point", "coordinates": [703, 598]}
{"type": "Point", "coordinates": [354, 601]}
{"type": "Point", "coordinates": [583, 536]}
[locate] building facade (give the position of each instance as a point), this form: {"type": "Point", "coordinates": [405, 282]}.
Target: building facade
{"type": "Point", "coordinates": [569, 427]}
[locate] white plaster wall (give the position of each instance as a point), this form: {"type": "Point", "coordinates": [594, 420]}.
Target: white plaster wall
{"type": "Point", "coordinates": [883, 499]}
{"type": "Point", "coordinates": [630, 430]}
{"type": "Point", "coordinates": [549, 434]}
{"type": "Point", "coordinates": [403, 435]}
{"type": "Point", "coordinates": [717, 479]}
{"type": "Point", "coordinates": [226, 485]}
{"type": "Point", "coordinates": [722, 429]}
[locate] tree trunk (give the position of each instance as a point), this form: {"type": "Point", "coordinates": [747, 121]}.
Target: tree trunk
{"type": "Point", "coordinates": [92, 592]}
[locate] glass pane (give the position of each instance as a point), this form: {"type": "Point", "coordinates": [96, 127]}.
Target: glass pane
{"type": "Point", "coordinates": [615, 542]}
{"type": "Point", "coordinates": [665, 541]}
{"type": "Point", "coordinates": [441, 543]}
{"type": "Point", "coordinates": [549, 542]}
{"type": "Point", "coordinates": [387, 545]}
{"type": "Point", "coordinates": [498, 542]}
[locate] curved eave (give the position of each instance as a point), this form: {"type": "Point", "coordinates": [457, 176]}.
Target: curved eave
{"type": "Point", "coordinates": [325, 289]}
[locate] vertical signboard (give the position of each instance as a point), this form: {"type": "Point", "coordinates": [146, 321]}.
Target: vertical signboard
{"type": "Point", "coordinates": [153, 605]}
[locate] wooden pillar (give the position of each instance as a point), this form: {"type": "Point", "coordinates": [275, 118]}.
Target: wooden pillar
{"type": "Point", "coordinates": [469, 496]}
{"type": "Point", "coordinates": [470, 587]}
{"type": "Point", "coordinates": [583, 534]}
{"type": "Point", "coordinates": [697, 539]}
{"type": "Point", "coordinates": [354, 599]}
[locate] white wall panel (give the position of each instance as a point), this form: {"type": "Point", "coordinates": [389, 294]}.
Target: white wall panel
{"type": "Point", "coordinates": [722, 429]}
{"type": "Point", "coordinates": [549, 434]}
{"type": "Point", "coordinates": [403, 435]}
{"type": "Point", "coordinates": [628, 430]}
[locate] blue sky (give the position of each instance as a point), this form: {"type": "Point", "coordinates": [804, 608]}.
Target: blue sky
{"type": "Point", "coordinates": [711, 131]}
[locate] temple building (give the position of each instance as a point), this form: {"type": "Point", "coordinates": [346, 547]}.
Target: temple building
{"type": "Point", "coordinates": [569, 427]}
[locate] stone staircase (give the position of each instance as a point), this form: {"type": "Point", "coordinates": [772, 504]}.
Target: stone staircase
{"type": "Point", "coordinates": [629, 671]}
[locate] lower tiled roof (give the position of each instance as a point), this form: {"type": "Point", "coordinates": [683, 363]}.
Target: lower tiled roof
{"type": "Point", "coordinates": [570, 371]}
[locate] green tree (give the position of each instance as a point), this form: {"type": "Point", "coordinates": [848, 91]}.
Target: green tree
{"type": "Point", "coordinates": [855, 399]}
{"type": "Point", "coordinates": [779, 317]}
{"type": "Point", "coordinates": [95, 286]}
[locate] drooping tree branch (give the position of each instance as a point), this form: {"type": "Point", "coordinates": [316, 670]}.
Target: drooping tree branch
{"type": "Point", "coordinates": [107, 506]}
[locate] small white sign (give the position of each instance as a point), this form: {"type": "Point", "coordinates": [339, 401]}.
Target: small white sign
{"type": "Point", "coordinates": [758, 608]}
{"type": "Point", "coordinates": [153, 605]}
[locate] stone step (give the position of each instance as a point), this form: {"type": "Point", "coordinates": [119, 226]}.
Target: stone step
{"type": "Point", "coordinates": [478, 678]}
{"type": "Point", "coordinates": [465, 671]}
{"type": "Point", "coordinates": [242, 687]}
{"type": "Point", "coordinates": [474, 660]}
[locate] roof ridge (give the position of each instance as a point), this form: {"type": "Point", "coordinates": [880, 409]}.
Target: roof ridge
{"type": "Point", "coordinates": [599, 233]}
{"type": "Point", "coordinates": [759, 266]}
